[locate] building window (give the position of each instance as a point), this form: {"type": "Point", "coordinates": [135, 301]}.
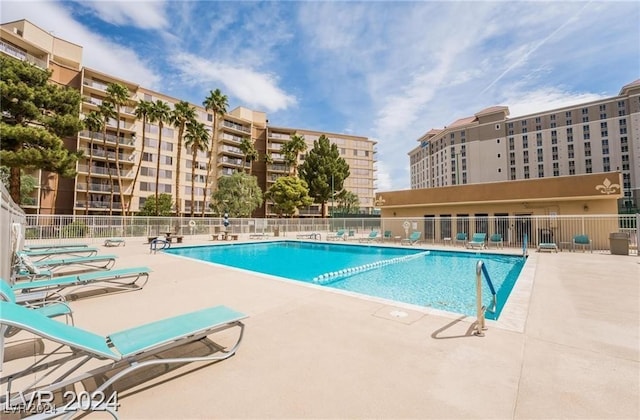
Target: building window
{"type": "Point", "coordinates": [511, 143]}
{"type": "Point", "coordinates": [553, 117]}
{"type": "Point", "coordinates": [623, 130]}
{"type": "Point", "coordinates": [585, 119]}
{"type": "Point", "coordinates": [585, 111]}
{"type": "Point", "coordinates": [567, 114]}
{"type": "Point", "coordinates": [553, 125]}
{"type": "Point", "coordinates": [538, 120]}
{"type": "Point", "coordinates": [603, 107]}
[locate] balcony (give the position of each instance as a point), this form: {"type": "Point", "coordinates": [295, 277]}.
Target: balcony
{"type": "Point", "coordinates": [123, 125]}
{"type": "Point", "coordinates": [232, 150]}
{"type": "Point", "coordinates": [98, 188]}
{"type": "Point", "coordinates": [237, 127]}
{"type": "Point", "coordinates": [95, 85]}
{"type": "Point", "coordinates": [101, 205]}
{"type": "Point", "coordinates": [231, 138]}
{"type": "Point", "coordinates": [96, 170]}
{"type": "Point", "coordinates": [124, 157]}
{"type": "Point", "coordinates": [22, 55]}
{"type": "Point", "coordinates": [111, 138]}
{"type": "Point", "coordinates": [277, 168]}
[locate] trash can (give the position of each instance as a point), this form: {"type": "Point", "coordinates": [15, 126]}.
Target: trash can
{"type": "Point", "coordinates": [276, 231]}
{"type": "Point", "coordinates": [619, 243]}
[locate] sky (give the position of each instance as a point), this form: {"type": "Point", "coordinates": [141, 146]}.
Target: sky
{"type": "Point", "coordinates": [387, 70]}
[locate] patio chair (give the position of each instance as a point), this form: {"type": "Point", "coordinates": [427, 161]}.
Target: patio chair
{"type": "Point", "coordinates": [413, 239]}
{"type": "Point", "coordinates": [53, 246]}
{"type": "Point", "coordinates": [477, 241]}
{"type": "Point", "coordinates": [46, 268]}
{"type": "Point", "coordinates": [339, 235]}
{"type": "Point", "coordinates": [547, 246]}
{"type": "Point", "coordinates": [123, 278]}
{"type": "Point", "coordinates": [115, 242]}
{"type": "Point", "coordinates": [495, 239]}
{"type": "Point", "coordinates": [461, 238]}
{"type": "Point", "coordinates": [113, 357]}
{"type": "Point", "coordinates": [387, 236]}
{"type": "Point", "coordinates": [50, 308]}
{"type": "Point", "coordinates": [80, 251]}
{"type": "Point", "coordinates": [373, 235]}
{"type": "Point", "coordinates": [583, 241]}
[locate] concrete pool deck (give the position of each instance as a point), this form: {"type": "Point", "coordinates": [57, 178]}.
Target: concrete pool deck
{"type": "Point", "coordinates": [313, 353]}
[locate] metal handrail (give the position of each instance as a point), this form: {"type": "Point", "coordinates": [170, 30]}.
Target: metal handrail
{"type": "Point", "coordinates": [480, 308]}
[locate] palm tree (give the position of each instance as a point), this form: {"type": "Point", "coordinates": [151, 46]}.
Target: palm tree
{"type": "Point", "coordinates": [182, 114]}
{"type": "Point", "coordinates": [143, 110]}
{"type": "Point", "coordinates": [216, 102]}
{"type": "Point", "coordinates": [249, 151]}
{"type": "Point", "coordinates": [196, 138]}
{"type": "Point", "coordinates": [107, 111]}
{"type": "Point", "coordinates": [118, 95]}
{"type": "Point", "coordinates": [92, 122]}
{"type": "Point", "coordinates": [160, 112]}
{"type": "Point", "coordinates": [292, 149]}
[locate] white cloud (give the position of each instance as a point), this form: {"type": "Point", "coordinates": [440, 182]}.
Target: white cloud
{"type": "Point", "coordinates": [259, 90]}
{"type": "Point", "coordinates": [545, 98]}
{"type": "Point", "coordinates": [144, 14]}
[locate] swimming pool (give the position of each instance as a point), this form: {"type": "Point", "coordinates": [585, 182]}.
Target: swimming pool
{"type": "Point", "coordinates": [443, 280]}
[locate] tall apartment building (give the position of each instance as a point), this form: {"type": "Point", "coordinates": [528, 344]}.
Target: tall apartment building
{"type": "Point", "coordinates": [598, 136]}
{"type": "Point", "coordinates": [91, 192]}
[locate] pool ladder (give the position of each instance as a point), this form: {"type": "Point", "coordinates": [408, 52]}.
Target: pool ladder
{"type": "Point", "coordinates": [481, 270]}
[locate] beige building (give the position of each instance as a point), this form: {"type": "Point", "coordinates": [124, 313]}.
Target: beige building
{"type": "Point", "coordinates": [92, 192]}
{"type": "Point", "coordinates": [598, 136]}
{"type": "Point", "coordinates": [511, 208]}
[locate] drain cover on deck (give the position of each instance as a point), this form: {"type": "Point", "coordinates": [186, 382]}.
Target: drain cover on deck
{"type": "Point", "coordinates": [398, 314]}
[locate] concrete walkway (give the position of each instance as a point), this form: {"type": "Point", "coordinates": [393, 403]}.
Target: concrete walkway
{"type": "Point", "coordinates": [314, 353]}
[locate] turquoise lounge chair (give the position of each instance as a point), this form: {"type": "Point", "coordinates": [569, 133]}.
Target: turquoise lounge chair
{"type": "Point", "coordinates": [115, 242]}
{"type": "Point", "coordinates": [123, 278]}
{"type": "Point", "coordinates": [52, 246]}
{"type": "Point", "coordinates": [461, 238]}
{"type": "Point", "coordinates": [413, 239]}
{"type": "Point", "coordinates": [122, 353]}
{"type": "Point", "coordinates": [339, 235]}
{"type": "Point", "coordinates": [477, 241]}
{"type": "Point", "coordinates": [50, 309]}
{"type": "Point", "coordinates": [373, 235]}
{"type": "Point", "coordinates": [495, 239]}
{"type": "Point", "coordinates": [387, 236]}
{"type": "Point", "coordinates": [46, 267]}
{"type": "Point", "coordinates": [547, 246]}
{"type": "Point", "coordinates": [583, 241]}
{"type": "Point", "coordinates": [41, 254]}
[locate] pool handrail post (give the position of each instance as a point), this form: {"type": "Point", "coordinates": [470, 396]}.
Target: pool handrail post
{"type": "Point", "coordinates": [481, 270]}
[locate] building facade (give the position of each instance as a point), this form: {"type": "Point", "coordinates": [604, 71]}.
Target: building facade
{"type": "Point", "coordinates": [598, 136]}
{"type": "Point", "coordinates": [120, 164]}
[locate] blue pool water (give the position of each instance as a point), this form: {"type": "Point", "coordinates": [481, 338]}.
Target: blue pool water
{"type": "Point", "coordinates": [438, 279]}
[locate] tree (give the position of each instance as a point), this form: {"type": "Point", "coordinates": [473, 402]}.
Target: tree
{"type": "Point", "coordinates": [28, 183]}
{"type": "Point", "coordinates": [160, 207]}
{"type": "Point", "coordinates": [292, 149]}
{"type": "Point", "coordinates": [238, 194]}
{"type": "Point", "coordinates": [107, 111]}
{"type": "Point", "coordinates": [35, 115]}
{"type": "Point", "coordinates": [288, 194]}
{"type": "Point", "coordinates": [118, 95]}
{"type": "Point", "coordinates": [348, 202]}
{"type": "Point", "coordinates": [92, 122]}
{"type": "Point", "coordinates": [196, 139]}
{"type": "Point", "coordinates": [249, 151]}
{"type": "Point", "coordinates": [182, 114]}
{"type": "Point", "coordinates": [324, 171]}
{"type": "Point", "coordinates": [142, 112]}
{"type": "Point", "coordinates": [217, 103]}
{"type": "Point", "coordinates": [160, 112]}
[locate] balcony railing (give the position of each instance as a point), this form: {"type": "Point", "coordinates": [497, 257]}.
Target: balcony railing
{"type": "Point", "coordinates": [237, 127]}
{"type": "Point", "coordinates": [98, 187]}
{"type": "Point", "coordinates": [95, 85]}
{"type": "Point", "coordinates": [231, 138]}
{"type": "Point", "coordinates": [98, 204]}
{"type": "Point", "coordinates": [22, 55]}
{"type": "Point", "coordinates": [126, 141]}
{"type": "Point", "coordinates": [124, 157]}
{"type": "Point", "coordinates": [105, 171]}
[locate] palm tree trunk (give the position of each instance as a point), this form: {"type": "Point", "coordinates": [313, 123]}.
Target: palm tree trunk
{"type": "Point", "coordinates": [193, 179]}
{"type": "Point", "coordinates": [212, 156]}
{"type": "Point", "coordinates": [135, 178]}
{"type": "Point", "coordinates": [158, 166]}
{"type": "Point", "coordinates": [106, 155]}
{"type": "Point", "coordinates": [118, 175]}
{"type": "Point", "coordinates": [86, 206]}
{"type": "Point", "coordinates": [179, 158]}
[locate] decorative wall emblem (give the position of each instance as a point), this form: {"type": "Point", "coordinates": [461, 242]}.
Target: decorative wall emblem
{"type": "Point", "coordinates": [380, 201]}
{"type": "Point", "coordinates": [607, 187]}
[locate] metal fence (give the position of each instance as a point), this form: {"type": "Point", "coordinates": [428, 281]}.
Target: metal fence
{"type": "Point", "coordinates": [434, 230]}
{"type": "Point", "coordinates": [10, 213]}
